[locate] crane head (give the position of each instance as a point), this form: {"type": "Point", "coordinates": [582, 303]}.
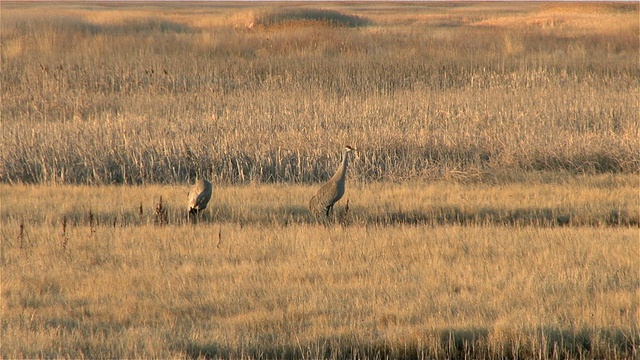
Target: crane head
{"type": "Point", "coordinates": [348, 149]}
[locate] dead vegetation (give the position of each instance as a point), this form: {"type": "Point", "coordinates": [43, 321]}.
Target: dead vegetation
{"type": "Point", "coordinates": [436, 93]}
{"type": "Point", "coordinates": [493, 211]}
{"type": "Point", "coordinates": [236, 289]}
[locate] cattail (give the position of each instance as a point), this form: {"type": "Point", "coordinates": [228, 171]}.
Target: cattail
{"type": "Point", "coordinates": [92, 222]}
{"type": "Point", "coordinates": [21, 234]}
{"type": "Point", "coordinates": [140, 213]}
{"type": "Point", "coordinates": [346, 213]}
{"type": "Point", "coordinates": [65, 238]}
{"type": "Point", "coordinates": [161, 213]}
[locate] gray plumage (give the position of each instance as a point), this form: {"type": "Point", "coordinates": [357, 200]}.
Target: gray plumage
{"type": "Point", "coordinates": [199, 196]}
{"type": "Point", "coordinates": [333, 189]}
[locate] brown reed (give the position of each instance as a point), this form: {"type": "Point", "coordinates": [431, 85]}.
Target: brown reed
{"type": "Point", "coordinates": [473, 94]}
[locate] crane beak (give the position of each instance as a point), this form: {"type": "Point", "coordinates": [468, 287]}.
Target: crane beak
{"type": "Point", "coordinates": [355, 151]}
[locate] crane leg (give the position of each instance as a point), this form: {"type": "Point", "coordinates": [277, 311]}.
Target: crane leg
{"type": "Point", "coordinates": [328, 210]}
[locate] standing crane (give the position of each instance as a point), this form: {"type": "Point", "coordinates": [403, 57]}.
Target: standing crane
{"type": "Point", "coordinates": [199, 196]}
{"type": "Point", "coordinates": [333, 189]}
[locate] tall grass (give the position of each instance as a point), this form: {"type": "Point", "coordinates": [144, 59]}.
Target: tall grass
{"type": "Point", "coordinates": [234, 289]}
{"type": "Point", "coordinates": [136, 94]}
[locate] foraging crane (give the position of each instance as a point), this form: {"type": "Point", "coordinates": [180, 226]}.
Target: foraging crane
{"type": "Point", "coordinates": [199, 197]}
{"type": "Point", "coordinates": [333, 189]}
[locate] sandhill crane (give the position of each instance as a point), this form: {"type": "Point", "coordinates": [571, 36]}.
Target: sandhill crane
{"type": "Point", "coordinates": [333, 189]}
{"type": "Point", "coordinates": [199, 197]}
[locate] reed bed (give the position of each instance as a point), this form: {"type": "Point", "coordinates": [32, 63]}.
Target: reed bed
{"type": "Point", "coordinates": [134, 94]}
{"type": "Point", "coordinates": [492, 210]}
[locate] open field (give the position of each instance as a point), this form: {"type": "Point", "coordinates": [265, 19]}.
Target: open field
{"type": "Point", "coordinates": [246, 92]}
{"type": "Point", "coordinates": [493, 208]}
{"type": "Point", "coordinates": [84, 274]}
{"type": "Point", "coordinates": [594, 201]}
{"type": "Point", "coordinates": [315, 292]}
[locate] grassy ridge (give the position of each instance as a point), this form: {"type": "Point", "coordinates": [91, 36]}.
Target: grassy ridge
{"type": "Point", "coordinates": [232, 287]}
{"type": "Point", "coordinates": [97, 94]}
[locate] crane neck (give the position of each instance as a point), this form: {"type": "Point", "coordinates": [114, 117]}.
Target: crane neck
{"type": "Point", "coordinates": [342, 169]}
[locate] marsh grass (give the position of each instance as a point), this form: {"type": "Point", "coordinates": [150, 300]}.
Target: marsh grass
{"type": "Point", "coordinates": [466, 92]}
{"type": "Point", "coordinates": [582, 201]}
{"type": "Point", "coordinates": [493, 211]}
{"type": "Point", "coordinates": [237, 289]}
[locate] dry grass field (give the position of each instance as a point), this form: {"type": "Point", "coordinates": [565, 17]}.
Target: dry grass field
{"type": "Point", "coordinates": [417, 272]}
{"type": "Point", "coordinates": [249, 92]}
{"type": "Point", "coordinates": [493, 208]}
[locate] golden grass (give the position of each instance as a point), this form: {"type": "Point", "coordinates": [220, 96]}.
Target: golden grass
{"type": "Point", "coordinates": [258, 277]}
{"type": "Point", "coordinates": [575, 18]}
{"type": "Point", "coordinates": [232, 288]}
{"type": "Point", "coordinates": [98, 93]}
{"type": "Point", "coordinates": [582, 201]}
{"type": "Point", "coordinates": [493, 212]}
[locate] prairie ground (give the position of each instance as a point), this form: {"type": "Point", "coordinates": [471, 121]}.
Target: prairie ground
{"type": "Point", "coordinates": [550, 272]}
{"type": "Point", "coordinates": [493, 210]}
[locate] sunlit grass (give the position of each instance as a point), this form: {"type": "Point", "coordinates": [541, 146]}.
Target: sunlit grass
{"type": "Point", "coordinates": [413, 270]}
{"type": "Point", "coordinates": [427, 91]}
{"type": "Point", "coordinates": [233, 289]}
{"type": "Point", "coordinates": [581, 201]}
{"type": "Point", "coordinates": [493, 209]}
